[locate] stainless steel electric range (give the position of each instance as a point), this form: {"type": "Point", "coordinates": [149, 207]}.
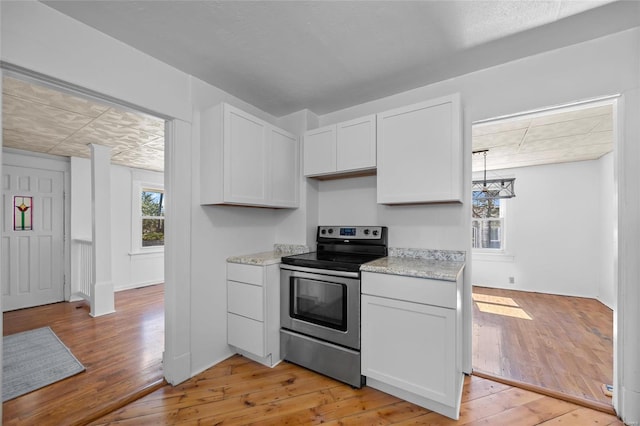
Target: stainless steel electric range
{"type": "Point", "coordinates": [320, 300]}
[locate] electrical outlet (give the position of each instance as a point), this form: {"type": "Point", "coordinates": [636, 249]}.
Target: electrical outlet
{"type": "Point", "coordinates": [512, 280]}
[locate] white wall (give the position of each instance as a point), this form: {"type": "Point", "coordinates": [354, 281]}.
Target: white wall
{"type": "Point", "coordinates": [38, 38]}
{"type": "Point", "coordinates": [129, 270]}
{"type": "Point", "coordinates": [554, 229]}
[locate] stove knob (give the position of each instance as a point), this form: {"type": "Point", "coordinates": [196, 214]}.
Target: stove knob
{"type": "Point", "coordinates": [366, 232]}
{"type": "Point", "coordinates": [375, 232]}
{"type": "Point", "coordinates": [330, 230]}
{"type": "Point", "coordinates": [324, 231]}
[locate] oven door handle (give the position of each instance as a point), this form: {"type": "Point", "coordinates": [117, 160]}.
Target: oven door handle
{"type": "Point", "coordinates": [329, 272]}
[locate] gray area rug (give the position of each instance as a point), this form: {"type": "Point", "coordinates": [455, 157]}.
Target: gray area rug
{"type": "Point", "coordinates": [34, 359]}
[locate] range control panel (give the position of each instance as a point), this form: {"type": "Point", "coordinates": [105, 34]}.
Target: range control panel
{"type": "Point", "coordinates": [350, 232]}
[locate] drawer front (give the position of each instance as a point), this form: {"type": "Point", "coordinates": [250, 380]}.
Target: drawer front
{"type": "Point", "coordinates": [246, 300]}
{"type": "Point", "coordinates": [245, 273]}
{"type": "Point", "coordinates": [411, 289]}
{"type": "Point", "coordinates": [246, 334]}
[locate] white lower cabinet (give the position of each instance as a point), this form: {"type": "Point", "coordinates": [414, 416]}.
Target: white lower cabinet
{"type": "Point", "coordinates": [253, 311]}
{"type": "Point", "coordinates": [411, 349]}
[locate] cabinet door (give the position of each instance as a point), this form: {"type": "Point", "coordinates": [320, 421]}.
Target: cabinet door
{"type": "Point", "coordinates": [420, 153]}
{"type": "Point", "coordinates": [284, 168]}
{"type": "Point", "coordinates": [245, 158]}
{"type": "Point", "coordinates": [320, 151]}
{"type": "Point", "coordinates": [410, 346]}
{"type": "Point", "coordinates": [356, 144]}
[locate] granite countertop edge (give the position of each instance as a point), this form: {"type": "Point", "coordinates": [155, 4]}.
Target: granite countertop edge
{"type": "Point", "coordinates": [445, 265]}
{"type": "Point", "coordinates": [270, 257]}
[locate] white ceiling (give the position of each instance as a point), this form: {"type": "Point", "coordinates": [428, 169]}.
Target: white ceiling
{"type": "Point", "coordinates": [284, 56]}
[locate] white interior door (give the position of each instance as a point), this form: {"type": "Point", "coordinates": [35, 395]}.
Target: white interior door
{"type": "Point", "coordinates": [32, 243]}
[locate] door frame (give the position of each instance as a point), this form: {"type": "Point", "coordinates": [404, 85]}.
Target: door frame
{"type": "Point", "coordinates": [16, 157]}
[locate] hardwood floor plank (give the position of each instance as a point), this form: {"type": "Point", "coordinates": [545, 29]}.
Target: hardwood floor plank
{"type": "Point", "coordinates": [583, 416]}
{"type": "Point", "coordinates": [532, 413]}
{"type": "Point", "coordinates": [566, 346]}
{"type": "Point", "coordinates": [122, 354]}
{"type": "Point", "coordinates": [240, 391]}
{"type": "Point", "coordinates": [315, 399]}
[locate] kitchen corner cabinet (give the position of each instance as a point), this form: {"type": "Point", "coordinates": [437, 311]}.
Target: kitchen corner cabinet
{"type": "Point", "coordinates": [341, 148]}
{"type": "Point", "coordinates": [411, 340]}
{"type": "Point", "coordinates": [246, 161]}
{"type": "Point", "coordinates": [420, 153]}
{"type": "Point", "coordinates": [253, 311]}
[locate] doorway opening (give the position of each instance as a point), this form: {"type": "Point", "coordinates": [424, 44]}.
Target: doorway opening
{"type": "Point", "coordinates": [50, 121]}
{"type": "Point", "coordinates": [544, 291]}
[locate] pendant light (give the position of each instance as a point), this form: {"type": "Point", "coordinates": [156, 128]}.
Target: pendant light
{"type": "Point", "coordinates": [493, 188]}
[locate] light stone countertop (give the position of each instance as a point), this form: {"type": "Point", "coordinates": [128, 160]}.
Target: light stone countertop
{"type": "Point", "coordinates": [269, 257]}
{"type": "Point", "coordinates": [443, 265]}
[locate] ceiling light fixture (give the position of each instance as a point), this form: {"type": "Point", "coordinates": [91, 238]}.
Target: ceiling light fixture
{"type": "Point", "coordinates": [492, 188]}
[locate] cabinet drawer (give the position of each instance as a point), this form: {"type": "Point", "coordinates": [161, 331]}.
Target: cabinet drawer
{"type": "Point", "coordinates": [245, 273]}
{"type": "Point", "coordinates": [246, 334]}
{"type": "Point", "coordinates": [245, 299]}
{"type": "Point", "coordinates": [412, 289]}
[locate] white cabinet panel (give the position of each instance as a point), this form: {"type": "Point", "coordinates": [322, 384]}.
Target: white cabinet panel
{"type": "Point", "coordinates": [420, 153]}
{"type": "Point", "coordinates": [246, 300]}
{"type": "Point", "coordinates": [251, 274]}
{"type": "Point", "coordinates": [245, 151]}
{"type": "Point", "coordinates": [412, 339]}
{"type": "Point", "coordinates": [345, 147]}
{"type": "Point", "coordinates": [245, 333]}
{"type": "Point", "coordinates": [356, 144]}
{"type": "Point", "coordinates": [284, 168]}
{"type": "Point", "coordinates": [320, 151]}
{"type": "Point", "coordinates": [246, 161]}
{"type": "Point", "coordinates": [253, 311]}
{"type": "Point", "coordinates": [410, 346]}
{"type": "Point", "coordinates": [419, 290]}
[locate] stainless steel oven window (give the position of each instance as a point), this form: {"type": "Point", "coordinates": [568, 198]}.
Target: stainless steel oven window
{"type": "Point", "coordinates": [319, 302]}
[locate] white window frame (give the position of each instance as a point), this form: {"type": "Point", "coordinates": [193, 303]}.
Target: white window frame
{"type": "Point", "coordinates": [136, 217]}
{"type": "Point", "coordinates": [503, 229]}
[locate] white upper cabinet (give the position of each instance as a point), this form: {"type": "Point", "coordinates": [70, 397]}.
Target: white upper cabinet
{"type": "Point", "coordinates": [246, 161]}
{"type": "Point", "coordinates": [345, 147]}
{"type": "Point", "coordinates": [284, 181]}
{"type": "Point", "coordinates": [320, 151]}
{"type": "Point", "coordinates": [420, 153]}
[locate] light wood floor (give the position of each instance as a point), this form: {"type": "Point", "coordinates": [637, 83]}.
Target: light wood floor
{"type": "Point", "coordinates": [122, 354]}
{"type": "Point", "coordinates": [241, 392]}
{"type": "Point", "coordinates": [560, 343]}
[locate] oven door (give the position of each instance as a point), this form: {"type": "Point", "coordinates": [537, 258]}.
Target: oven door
{"type": "Point", "coordinates": [321, 305]}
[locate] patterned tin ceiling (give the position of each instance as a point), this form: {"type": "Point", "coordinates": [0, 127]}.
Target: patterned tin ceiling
{"type": "Point", "coordinates": [41, 119]}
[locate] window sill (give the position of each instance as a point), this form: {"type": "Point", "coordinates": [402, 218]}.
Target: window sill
{"type": "Point", "coordinates": [148, 252]}
{"type": "Point", "coordinates": [484, 256]}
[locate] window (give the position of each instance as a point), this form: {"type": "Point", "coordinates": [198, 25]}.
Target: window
{"type": "Point", "coordinates": [152, 217]}
{"type": "Point", "coordinates": [487, 222]}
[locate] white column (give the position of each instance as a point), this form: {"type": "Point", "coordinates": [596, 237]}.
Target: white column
{"type": "Point", "coordinates": [102, 299]}
{"type": "Point", "coordinates": [176, 361]}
